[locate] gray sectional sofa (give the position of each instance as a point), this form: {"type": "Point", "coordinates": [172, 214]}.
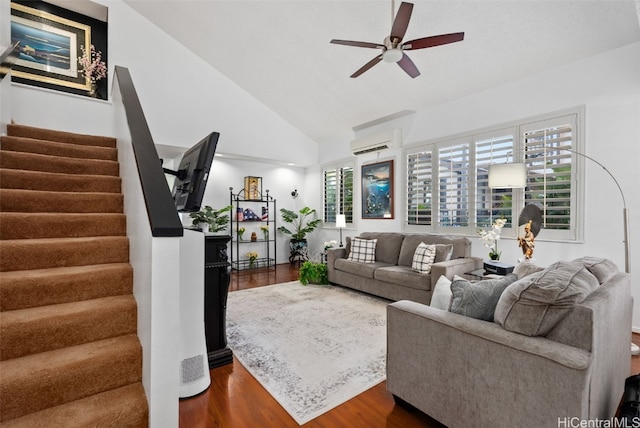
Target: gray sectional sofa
{"type": "Point", "coordinates": [557, 353]}
{"type": "Point", "coordinates": [391, 276]}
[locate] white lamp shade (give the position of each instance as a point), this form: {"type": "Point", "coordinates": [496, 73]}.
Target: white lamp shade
{"type": "Point", "coordinates": [508, 176]}
{"type": "Point", "coordinates": [341, 221]}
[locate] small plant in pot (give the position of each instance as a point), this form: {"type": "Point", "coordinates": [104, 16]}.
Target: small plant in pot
{"type": "Point", "coordinates": [301, 225]}
{"type": "Point", "coordinates": [314, 273]}
{"type": "Point", "coordinates": [211, 220]}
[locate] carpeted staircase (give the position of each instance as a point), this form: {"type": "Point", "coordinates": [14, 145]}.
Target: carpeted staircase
{"type": "Point", "coordinates": [69, 352]}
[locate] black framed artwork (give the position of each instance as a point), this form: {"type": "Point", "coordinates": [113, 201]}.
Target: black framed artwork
{"type": "Point", "coordinates": [52, 40]}
{"type": "Point", "coordinates": [377, 190]}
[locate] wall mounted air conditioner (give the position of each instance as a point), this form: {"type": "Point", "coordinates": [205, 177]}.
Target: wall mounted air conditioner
{"type": "Point", "coordinates": [380, 141]}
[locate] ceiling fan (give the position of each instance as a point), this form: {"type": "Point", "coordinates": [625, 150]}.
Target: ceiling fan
{"type": "Point", "coordinates": [393, 50]}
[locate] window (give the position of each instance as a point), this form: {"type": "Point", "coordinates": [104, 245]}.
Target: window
{"type": "Point", "coordinates": [452, 175]}
{"type": "Point", "coordinates": [548, 153]}
{"type": "Point", "coordinates": [338, 193]}
{"type": "Point", "coordinates": [419, 189]}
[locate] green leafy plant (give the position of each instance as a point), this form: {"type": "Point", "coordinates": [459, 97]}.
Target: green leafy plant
{"type": "Point", "coordinates": [300, 228]}
{"type": "Point", "coordinates": [315, 273]}
{"type": "Point", "coordinates": [216, 219]}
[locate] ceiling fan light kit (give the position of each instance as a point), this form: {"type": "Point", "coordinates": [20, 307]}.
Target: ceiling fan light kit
{"type": "Point", "coordinates": [393, 51]}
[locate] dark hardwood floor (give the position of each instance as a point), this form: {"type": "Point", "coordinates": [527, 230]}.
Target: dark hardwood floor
{"type": "Point", "coordinates": [236, 400]}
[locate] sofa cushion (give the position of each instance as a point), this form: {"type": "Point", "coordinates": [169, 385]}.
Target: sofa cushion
{"type": "Point", "coordinates": [363, 250]}
{"type": "Point", "coordinates": [478, 299]}
{"type": "Point", "coordinates": [388, 246]}
{"type": "Point", "coordinates": [441, 294]}
{"type": "Point", "coordinates": [534, 304]}
{"type": "Point", "coordinates": [405, 276]}
{"type": "Point", "coordinates": [423, 258]}
{"type": "Point", "coordinates": [526, 268]}
{"type": "Point", "coordinates": [603, 269]}
{"type": "Point", "coordinates": [444, 249]}
{"type": "Point", "coordinates": [365, 270]}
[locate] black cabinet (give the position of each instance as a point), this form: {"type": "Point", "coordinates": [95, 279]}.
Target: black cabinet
{"type": "Point", "coordinates": [216, 288]}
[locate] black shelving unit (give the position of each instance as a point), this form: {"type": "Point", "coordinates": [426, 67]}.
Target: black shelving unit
{"type": "Point", "coordinates": [265, 246]}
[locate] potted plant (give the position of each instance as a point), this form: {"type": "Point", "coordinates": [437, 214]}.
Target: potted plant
{"type": "Point", "coordinates": [211, 220]}
{"type": "Point", "coordinates": [314, 273]}
{"type": "Point", "coordinates": [300, 227]}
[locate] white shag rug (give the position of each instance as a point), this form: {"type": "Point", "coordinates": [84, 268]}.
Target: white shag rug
{"type": "Point", "coordinates": [312, 347]}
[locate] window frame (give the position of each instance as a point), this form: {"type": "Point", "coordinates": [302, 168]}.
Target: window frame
{"type": "Point", "coordinates": [339, 207]}
{"type": "Point", "coordinates": [574, 233]}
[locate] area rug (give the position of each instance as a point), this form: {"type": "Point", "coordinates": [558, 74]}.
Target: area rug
{"type": "Point", "coordinates": [312, 347]}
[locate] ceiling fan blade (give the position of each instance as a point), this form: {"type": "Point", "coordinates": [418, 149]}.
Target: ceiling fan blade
{"type": "Point", "coordinates": [367, 66]}
{"type": "Point", "coordinates": [428, 42]}
{"type": "Point", "coordinates": [401, 22]}
{"type": "Point", "coordinates": [357, 44]}
{"type": "Point", "coordinates": [408, 66]}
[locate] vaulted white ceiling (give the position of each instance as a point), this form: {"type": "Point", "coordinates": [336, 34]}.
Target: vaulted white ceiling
{"type": "Point", "coordinates": [279, 51]}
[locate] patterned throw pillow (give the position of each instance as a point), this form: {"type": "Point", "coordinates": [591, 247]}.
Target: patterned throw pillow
{"type": "Point", "coordinates": [423, 258]}
{"type": "Point", "coordinates": [363, 250]}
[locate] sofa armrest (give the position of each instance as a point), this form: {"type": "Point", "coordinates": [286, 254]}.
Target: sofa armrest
{"type": "Point", "coordinates": [453, 267]}
{"type": "Point", "coordinates": [332, 255]}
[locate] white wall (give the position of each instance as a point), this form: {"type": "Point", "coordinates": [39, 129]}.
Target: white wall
{"type": "Point", "coordinates": [608, 85]}
{"type": "Point", "coordinates": [184, 98]}
{"type": "Point", "coordinates": [5, 85]}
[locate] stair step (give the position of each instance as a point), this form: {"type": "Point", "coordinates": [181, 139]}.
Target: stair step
{"type": "Point", "coordinates": [53, 148]}
{"type": "Point", "coordinates": [49, 181]}
{"type": "Point", "coordinates": [62, 165]}
{"type": "Point", "coordinates": [59, 136]}
{"type": "Point", "coordinates": [121, 407]}
{"type": "Point", "coordinates": [41, 381]}
{"type": "Point", "coordinates": [40, 287]}
{"type": "Point", "coordinates": [19, 225]}
{"type": "Point", "coordinates": [45, 328]}
{"type": "Point", "coordinates": [24, 254]}
{"type": "Point", "coordinates": [35, 201]}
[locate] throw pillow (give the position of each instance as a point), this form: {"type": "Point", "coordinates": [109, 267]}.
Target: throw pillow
{"type": "Point", "coordinates": [423, 258]}
{"type": "Point", "coordinates": [363, 250]}
{"type": "Point", "coordinates": [478, 299]}
{"type": "Point", "coordinates": [534, 304]}
{"type": "Point", "coordinates": [443, 252]}
{"type": "Point", "coordinates": [441, 296]}
{"type": "Point", "coordinates": [603, 269]}
{"type": "Point", "coordinates": [526, 268]}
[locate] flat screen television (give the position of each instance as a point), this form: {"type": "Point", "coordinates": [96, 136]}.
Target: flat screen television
{"type": "Point", "coordinates": [192, 174]}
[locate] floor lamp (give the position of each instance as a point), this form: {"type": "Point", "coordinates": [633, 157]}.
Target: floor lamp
{"type": "Point", "coordinates": [341, 223]}
{"type": "Point", "coordinates": [514, 175]}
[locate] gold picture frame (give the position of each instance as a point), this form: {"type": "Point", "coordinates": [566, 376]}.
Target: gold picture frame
{"type": "Point", "coordinates": [51, 41]}
{"type": "Point", "coordinates": [252, 188]}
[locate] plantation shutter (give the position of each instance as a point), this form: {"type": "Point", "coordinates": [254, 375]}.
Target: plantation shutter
{"type": "Point", "coordinates": [419, 188]}
{"type": "Point", "coordinates": [492, 204]}
{"type": "Point", "coordinates": [338, 193]}
{"type": "Point", "coordinates": [346, 193]}
{"type": "Point", "coordinates": [550, 172]}
{"type": "Point", "coordinates": [330, 195]}
{"type": "Point", "coordinates": [453, 175]}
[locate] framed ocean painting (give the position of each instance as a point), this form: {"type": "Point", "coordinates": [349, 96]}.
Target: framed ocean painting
{"type": "Point", "coordinates": [377, 190]}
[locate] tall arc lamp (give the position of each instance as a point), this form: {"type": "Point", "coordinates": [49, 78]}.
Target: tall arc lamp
{"type": "Point", "coordinates": [514, 175]}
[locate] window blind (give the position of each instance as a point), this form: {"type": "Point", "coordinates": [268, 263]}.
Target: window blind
{"type": "Point", "coordinates": [453, 174]}
{"type": "Point", "coordinates": [419, 188]}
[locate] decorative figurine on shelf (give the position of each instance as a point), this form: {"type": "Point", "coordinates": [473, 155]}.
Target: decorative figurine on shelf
{"type": "Point", "coordinates": [254, 237]}
{"type": "Point", "coordinates": [527, 242]}
{"type": "Point", "coordinates": [531, 218]}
